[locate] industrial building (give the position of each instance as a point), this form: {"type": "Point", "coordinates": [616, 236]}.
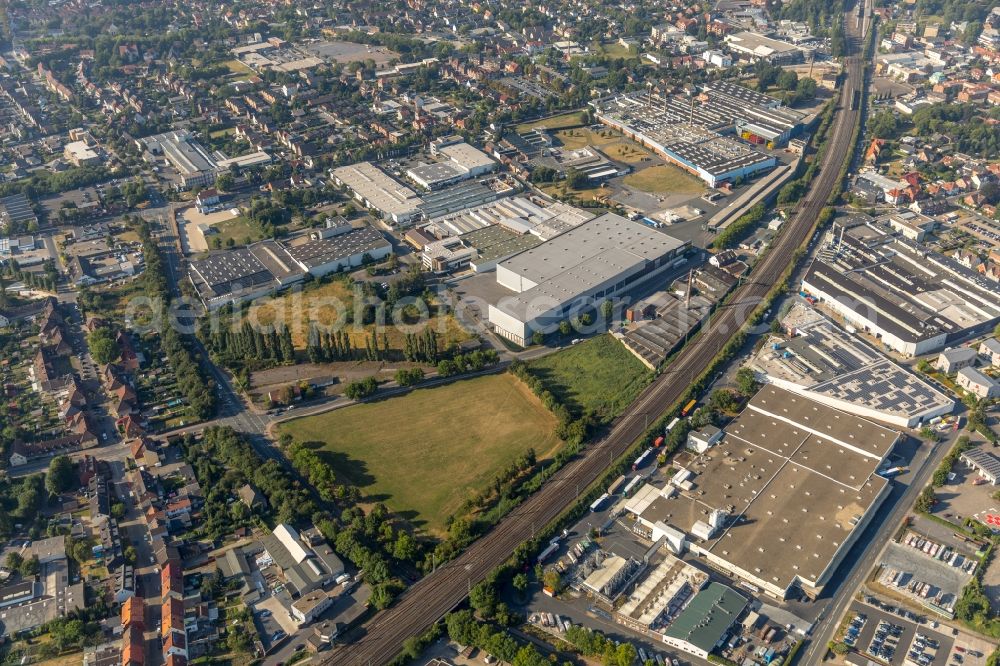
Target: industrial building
{"type": "Point", "coordinates": [479, 249]}
{"type": "Point", "coordinates": [305, 560]}
{"type": "Point", "coordinates": [462, 196]}
{"type": "Point", "coordinates": [706, 621]}
{"type": "Point", "coordinates": [379, 192]}
{"type": "Point", "coordinates": [689, 131]}
{"type": "Point", "coordinates": [459, 162]}
{"type": "Point", "coordinates": [780, 500]}
{"type": "Point", "coordinates": [661, 596]}
{"type": "Point", "coordinates": [339, 248]}
{"type": "Point", "coordinates": [16, 213]}
{"type": "Point", "coordinates": [912, 300]}
{"type": "Point", "coordinates": [80, 154]}
{"type": "Point", "coordinates": [579, 268]}
{"type": "Point", "coordinates": [703, 152]}
{"type": "Point", "coordinates": [244, 274]}
{"type": "Point", "coordinates": [985, 463]}
{"type": "Point", "coordinates": [520, 215]}
{"type": "Point", "coordinates": [182, 150]}
{"type": "Point", "coordinates": [755, 47]}
{"type": "Point", "coordinates": [822, 362]}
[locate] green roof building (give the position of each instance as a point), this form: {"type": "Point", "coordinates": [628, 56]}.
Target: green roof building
{"type": "Point", "coordinates": [704, 623]}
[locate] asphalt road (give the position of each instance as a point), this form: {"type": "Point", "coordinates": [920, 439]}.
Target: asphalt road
{"type": "Point", "coordinates": [438, 593]}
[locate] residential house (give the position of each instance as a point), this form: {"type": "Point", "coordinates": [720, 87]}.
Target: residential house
{"type": "Point", "coordinates": [977, 383]}
{"type": "Point", "coordinates": [952, 360]}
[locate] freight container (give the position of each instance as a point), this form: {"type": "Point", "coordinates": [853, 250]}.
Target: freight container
{"type": "Point", "coordinates": [688, 407]}
{"type": "Point", "coordinates": [658, 442]}
{"type": "Point", "coordinates": [671, 425]}
{"type": "Point", "coordinates": [616, 486]}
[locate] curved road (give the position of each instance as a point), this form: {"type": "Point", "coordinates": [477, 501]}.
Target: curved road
{"type": "Point", "coordinates": [440, 592]}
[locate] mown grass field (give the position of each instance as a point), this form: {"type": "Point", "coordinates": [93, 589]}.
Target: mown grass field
{"type": "Point", "coordinates": [598, 374]}
{"type": "Point", "coordinates": [664, 179]}
{"type": "Point", "coordinates": [422, 453]}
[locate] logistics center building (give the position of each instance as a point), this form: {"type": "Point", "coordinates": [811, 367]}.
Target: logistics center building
{"type": "Point", "coordinates": [596, 260]}
{"type": "Point", "coordinates": [779, 501]}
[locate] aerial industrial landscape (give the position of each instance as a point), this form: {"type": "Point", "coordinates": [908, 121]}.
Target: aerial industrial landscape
{"type": "Point", "coordinates": [443, 333]}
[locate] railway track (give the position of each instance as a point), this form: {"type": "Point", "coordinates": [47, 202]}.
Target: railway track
{"type": "Point", "coordinates": [441, 591]}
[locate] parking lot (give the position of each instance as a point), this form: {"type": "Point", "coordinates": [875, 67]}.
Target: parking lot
{"type": "Point", "coordinates": [903, 639]}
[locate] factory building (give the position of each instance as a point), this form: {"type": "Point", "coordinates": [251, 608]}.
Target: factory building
{"type": "Point", "coordinates": [822, 362]}
{"type": "Point", "coordinates": [780, 500]}
{"type": "Point", "coordinates": [910, 299]}
{"type": "Point", "coordinates": [706, 621]}
{"type": "Point", "coordinates": [244, 274]}
{"type": "Point", "coordinates": [755, 47]}
{"type": "Point", "coordinates": [338, 248]}
{"type": "Point", "coordinates": [579, 268]}
{"type": "Point", "coordinates": [459, 162]}
{"type": "Point", "coordinates": [379, 191]}
{"type": "Point", "coordinates": [689, 133]}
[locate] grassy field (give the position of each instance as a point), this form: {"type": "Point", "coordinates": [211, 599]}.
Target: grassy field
{"type": "Point", "coordinates": [320, 302]}
{"type": "Point", "coordinates": [616, 50]}
{"type": "Point", "coordinates": [562, 190]}
{"type": "Point", "coordinates": [571, 119]}
{"type": "Point", "coordinates": [239, 229]}
{"type": "Point", "coordinates": [664, 179]}
{"type": "Point", "coordinates": [598, 374]}
{"type": "Point", "coordinates": [423, 452]}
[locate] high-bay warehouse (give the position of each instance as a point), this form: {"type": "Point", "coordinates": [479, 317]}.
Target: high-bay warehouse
{"type": "Point", "coordinates": [689, 131]}
{"type": "Point", "coordinates": [910, 299]}
{"type": "Point", "coordinates": [595, 260]}
{"type": "Point", "coordinates": [779, 500]}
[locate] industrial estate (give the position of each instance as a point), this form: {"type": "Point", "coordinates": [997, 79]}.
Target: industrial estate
{"type": "Point", "coordinates": [452, 333]}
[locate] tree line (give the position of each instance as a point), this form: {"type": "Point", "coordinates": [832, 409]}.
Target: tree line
{"type": "Point", "coordinates": [251, 347]}
{"type": "Point", "coordinates": [198, 390]}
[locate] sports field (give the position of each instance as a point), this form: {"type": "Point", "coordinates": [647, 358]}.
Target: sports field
{"type": "Point", "coordinates": [598, 374]}
{"type": "Point", "coordinates": [423, 452]}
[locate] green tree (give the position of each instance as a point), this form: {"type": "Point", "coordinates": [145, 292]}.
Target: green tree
{"type": "Point", "coordinates": [225, 181]}
{"type": "Point", "coordinates": [746, 382]}
{"type": "Point", "coordinates": [103, 347]}
{"type": "Point", "coordinates": [520, 582]}
{"type": "Point", "coordinates": [565, 328]}
{"type": "Point", "coordinates": [925, 500]}
{"type": "Point", "coordinates": [553, 580]}
{"type": "Point", "coordinates": [538, 338]}
{"type": "Point", "coordinates": [61, 475]}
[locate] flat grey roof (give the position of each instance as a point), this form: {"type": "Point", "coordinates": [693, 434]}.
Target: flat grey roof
{"type": "Point", "coordinates": [221, 271]}
{"type": "Point", "coordinates": [593, 251]}
{"type": "Point", "coordinates": [341, 247]}
{"type": "Point", "coordinates": [384, 192]}
{"type": "Point", "coordinates": [435, 172]}
{"type": "Point", "coordinates": [183, 151]}
{"type": "Point", "coordinates": [798, 474]}
{"type": "Point", "coordinates": [467, 157]}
